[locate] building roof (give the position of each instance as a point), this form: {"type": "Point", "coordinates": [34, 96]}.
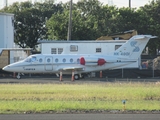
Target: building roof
{"type": "Point", "coordinates": [82, 41]}
{"type": "Point", "coordinates": [8, 14]}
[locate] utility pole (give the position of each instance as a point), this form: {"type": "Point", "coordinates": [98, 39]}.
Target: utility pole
{"type": "Point", "coordinates": [129, 3]}
{"type": "Point", "coordinates": [6, 3]}
{"type": "Point", "coordinates": [70, 22]}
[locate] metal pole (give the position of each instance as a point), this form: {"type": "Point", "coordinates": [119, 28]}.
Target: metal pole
{"type": "Point", "coordinates": [153, 68]}
{"type": "Point", "coordinates": [70, 23]}
{"type": "Point", "coordinates": [129, 3]}
{"type": "Point", "coordinates": [122, 72]}
{"type": "Point", "coordinates": [6, 3]}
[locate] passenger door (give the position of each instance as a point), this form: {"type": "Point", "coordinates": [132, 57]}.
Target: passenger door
{"type": "Point", "coordinates": [48, 63]}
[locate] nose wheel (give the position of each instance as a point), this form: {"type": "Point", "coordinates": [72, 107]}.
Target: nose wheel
{"type": "Point", "coordinates": [18, 76]}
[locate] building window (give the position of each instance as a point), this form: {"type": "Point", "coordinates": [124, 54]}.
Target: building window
{"type": "Point", "coordinates": [60, 50]}
{"type": "Point", "coordinates": [117, 46]}
{"type": "Point", "coordinates": [73, 48]}
{"type": "Point", "coordinates": [53, 51]}
{"type": "Point", "coordinates": [98, 50]}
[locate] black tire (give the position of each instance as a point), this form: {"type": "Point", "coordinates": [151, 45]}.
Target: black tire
{"type": "Point", "coordinates": [76, 77]}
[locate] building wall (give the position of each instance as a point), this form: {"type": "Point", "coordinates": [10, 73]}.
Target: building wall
{"type": "Point", "coordinates": [6, 30]}
{"type": "Point", "coordinates": [4, 58]}
{"type": "Point", "coordinates": [6, 38]}
{"type": "Point", "coordinates": [83, 47]}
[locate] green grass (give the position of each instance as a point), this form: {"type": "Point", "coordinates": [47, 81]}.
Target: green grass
{"type": "Point", "coordinates": [15, 98]}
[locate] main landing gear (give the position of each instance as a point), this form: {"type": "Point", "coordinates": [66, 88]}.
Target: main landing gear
{"type": "Point", "coordinates": [74, 76]}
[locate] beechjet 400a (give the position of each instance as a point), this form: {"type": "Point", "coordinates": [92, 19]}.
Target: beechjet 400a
{"type": "Point", "coordinates": [77, 64]}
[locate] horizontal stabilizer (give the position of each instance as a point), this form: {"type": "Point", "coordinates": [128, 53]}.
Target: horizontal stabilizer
{"type": "Point", "coordinates": [143, 37]}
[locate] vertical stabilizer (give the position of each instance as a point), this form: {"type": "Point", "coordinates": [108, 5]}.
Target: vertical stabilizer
{"type": "Point", "coordinates": [133, 48]}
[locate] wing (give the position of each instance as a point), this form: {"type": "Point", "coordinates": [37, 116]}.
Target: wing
{"type": "Point", "coordinates": [71, 68]}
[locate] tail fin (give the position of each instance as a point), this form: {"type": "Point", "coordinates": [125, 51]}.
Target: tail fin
{"type": "Point", "coordinates": [133, 48]}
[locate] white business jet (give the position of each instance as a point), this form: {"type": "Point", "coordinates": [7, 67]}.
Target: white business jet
{"type": "Point", "coordinates": [77, 64]}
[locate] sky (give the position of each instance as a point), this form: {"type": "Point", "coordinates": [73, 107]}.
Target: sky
{"type": "Point", "coordinates": [118, 3]}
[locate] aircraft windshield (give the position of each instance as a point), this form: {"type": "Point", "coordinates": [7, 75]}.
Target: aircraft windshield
{"type": "Point", "coordinates": [30, 59]}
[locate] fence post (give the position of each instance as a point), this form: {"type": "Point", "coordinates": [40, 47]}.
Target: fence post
{"type": "Point", "coordinates": [153, 68]}
{"type": "Point", "coordinates": [122, 72]}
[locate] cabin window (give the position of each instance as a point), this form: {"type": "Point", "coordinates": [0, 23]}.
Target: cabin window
{"type": "Point", "coordinates": [64, 60]}
{"type": "Point", "coordinates": [71, 60]}
{"type": "Point", "coordinates": [78, 60]}
{"type": "Point", "coordinates": [74, 48]}
{"type": "Point", "coordinates": [56, 60]}
{"type": "Point", "coordinates": [98, 50]}
{"type": "Point", "coordinates": [48, 60]}
{"type": "Point", "coordinates": [40, 60]}
{"type": "Point", "coordinates": [53, 51]}
{"type": "Point", "coordinates": [60, 50]}
{"type": "Point", "coordinates": [117, 46]}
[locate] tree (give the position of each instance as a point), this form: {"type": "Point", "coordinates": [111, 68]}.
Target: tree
{"type": "Point", "coordinates": [152, 27]}
{"type": "Point", "coordinates": [30, 20]}
{"type": "Point", "coordinates": [90, 20]}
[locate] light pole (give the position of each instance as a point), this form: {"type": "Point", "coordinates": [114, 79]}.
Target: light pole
{"type": "Point", "coordinates": [70, 22]}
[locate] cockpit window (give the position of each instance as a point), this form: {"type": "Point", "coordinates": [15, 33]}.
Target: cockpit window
{"type": "Point", "coordinates": [30, 59]}
{"type": "Point", "coordinates": [33, 59]}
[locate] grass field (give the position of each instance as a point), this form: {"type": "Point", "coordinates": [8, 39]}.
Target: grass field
{"type": "Point", "coordinates": [19, 98]}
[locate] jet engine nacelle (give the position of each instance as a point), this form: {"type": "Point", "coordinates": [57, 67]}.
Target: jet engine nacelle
{"type": "Point", "coordinates": [92, 61]}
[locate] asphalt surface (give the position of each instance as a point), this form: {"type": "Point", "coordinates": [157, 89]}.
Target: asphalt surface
{"type": "Point", "coordinates": [67, 79]}
{"type": "Point", "coordinates": [81, 117]}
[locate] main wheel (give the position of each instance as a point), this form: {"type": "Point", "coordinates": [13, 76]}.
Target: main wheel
{"type": "Point", "coordinates": [18, 77]}
{"type": "Point", "coordinates": [76, 77]}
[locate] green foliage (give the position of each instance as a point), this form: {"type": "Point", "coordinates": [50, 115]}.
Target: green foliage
{"type": "Point", "coordinates": [30, 20]}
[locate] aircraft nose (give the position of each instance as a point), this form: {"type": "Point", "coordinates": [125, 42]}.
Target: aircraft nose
{"type": "Point", "coordinates": [6, 68]}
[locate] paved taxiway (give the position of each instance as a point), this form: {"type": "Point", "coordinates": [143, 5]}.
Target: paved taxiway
{"type": "Point", "coordinates": [44, 80]}
{"type": "Point", "coordinates": [81, 117]}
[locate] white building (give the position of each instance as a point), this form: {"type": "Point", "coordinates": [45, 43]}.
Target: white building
{"type": "Point", "coordinates": [6, 30]}
{"type": "Point", "coordinates": [8, 52]}
{"type": "Point", "coordinates": [80, 47]}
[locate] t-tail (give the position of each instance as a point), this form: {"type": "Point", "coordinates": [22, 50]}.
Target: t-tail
{"type": "Point", "coordinates": [133, 48]}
